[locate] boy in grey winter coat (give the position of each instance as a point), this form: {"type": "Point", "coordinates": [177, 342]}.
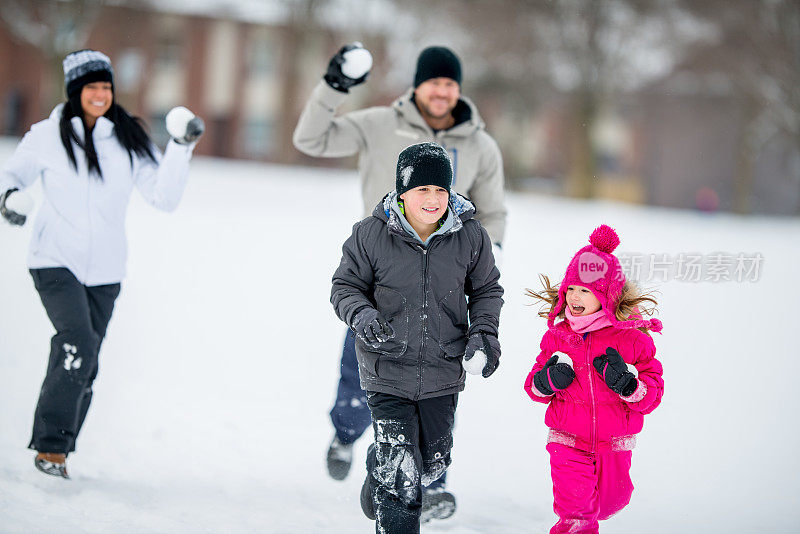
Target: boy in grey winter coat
{"type": "Point", "coordinates": [418, 285]}
{"type": "Point", "coordinates": [433, 109]}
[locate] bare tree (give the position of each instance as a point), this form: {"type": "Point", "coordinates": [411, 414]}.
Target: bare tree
{"type": "Point", "coordinates": [589, 51]}
{"type": "Point", "coordinates": [757, 48]}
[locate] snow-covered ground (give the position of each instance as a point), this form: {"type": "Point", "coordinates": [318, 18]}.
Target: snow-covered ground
{"type": "Point", "coordinates": [219, 368]}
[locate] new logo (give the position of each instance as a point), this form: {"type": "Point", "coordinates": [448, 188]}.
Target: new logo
{"type": "Point", "coordinates": [591, 267]}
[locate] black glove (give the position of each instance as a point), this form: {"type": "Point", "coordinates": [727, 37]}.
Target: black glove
{"type": "Point", "coordinates": [490, 346]}
{"type": "Point", "coordinates": [371, 328]}
{"type": "Point", "coordinates": [615, 372]}
{"type": "Point", "coordinates": [334, 76]}
{"type": "Point", "coordinates": [194, 129]}
{"type": "Point", "coordinates": [17, 219]}
{"type": "Point", "coordinates": [184, 126]}
{"type": "Point", "coordinates": [559, 373]}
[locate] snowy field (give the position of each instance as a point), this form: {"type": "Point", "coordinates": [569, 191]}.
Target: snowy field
{"type": "Point", "coordinates": [219, 368]}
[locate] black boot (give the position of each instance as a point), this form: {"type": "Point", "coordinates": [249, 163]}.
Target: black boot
{"type": "Point", "coordinates": [437, 504]}
{"type": "Point", "coordinates": [52, 464]}
{"type": "Point", "coordinates": [340, 458]}
{"type": "Point", "coordinates": [368, 488]}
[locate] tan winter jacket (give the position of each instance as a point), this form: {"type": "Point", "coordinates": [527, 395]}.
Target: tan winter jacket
{"type": "Point", "coordinates": [380, 133]}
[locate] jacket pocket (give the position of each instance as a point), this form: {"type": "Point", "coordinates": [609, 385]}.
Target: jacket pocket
{"type": "Point", "coordinates": [451, 372]}
{"type": "Point", "coordinates": [368, 364]}
{"type": "Point", "coordinates": [453, 323]}
{"type": "Point", "coordinates": [392, 305]}
{"type": "Point", "coordinates": [452, 312]}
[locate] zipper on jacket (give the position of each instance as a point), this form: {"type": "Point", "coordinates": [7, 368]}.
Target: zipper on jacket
{"type": "Point", "coordinates": [89, 221]}
{"type": "Point", "coordinates": [590, 368]}
{"type": "Point", "coordinates": [424, 318]}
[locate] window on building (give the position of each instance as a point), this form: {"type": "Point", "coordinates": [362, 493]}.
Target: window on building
{"type": "Point", "coordinates": [259, 138]}
{"type": "Point", "coordinates": [128, 69]}
{"type": "Point", "coordinates": [169, 50]}
{"type": "Point", "coordinates": [261, 54]}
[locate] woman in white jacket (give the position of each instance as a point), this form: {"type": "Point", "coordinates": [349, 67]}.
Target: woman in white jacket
{"type": "Point", "coordinates": [89, 154]}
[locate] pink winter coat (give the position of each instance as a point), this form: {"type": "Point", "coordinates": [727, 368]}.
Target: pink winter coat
{"type": "Point", "coordinates": [587, 415]}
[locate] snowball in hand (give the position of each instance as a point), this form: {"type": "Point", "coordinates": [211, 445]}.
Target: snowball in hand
{"type": "Point", "coordinates": [475, 365]}
{"type": "Point", "coordinates": [19, 202]}
{"type": "Point", "coordinates": [563, 358]}
{"type": "Point", "coordinates": [357, 63]}
{"type": "Point", "coordinates": [177, 120]}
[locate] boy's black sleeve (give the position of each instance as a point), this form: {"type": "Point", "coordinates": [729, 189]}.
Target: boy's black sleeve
{"type": "Point", "coordinates": [481, 286]}
{"type": "Point", "coordinates": [353, 279]}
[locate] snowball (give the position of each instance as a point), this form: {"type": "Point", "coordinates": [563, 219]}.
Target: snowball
{"type": "Point", "coordinates": [475, 365]}
{"type": "Point", "coordinates": [563, 358]}
{"type": "Point", "coordinates": [357, 63]}
{"type": "Point", "coordinates": [176, 120]}
{"type": "Point", "coordinates": [19, 202]}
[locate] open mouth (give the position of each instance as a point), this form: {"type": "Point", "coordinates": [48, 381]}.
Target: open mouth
{"type": "Point", "coordinates": [430, 210]}
{"type": "Point", "coordinates": [576, 310]}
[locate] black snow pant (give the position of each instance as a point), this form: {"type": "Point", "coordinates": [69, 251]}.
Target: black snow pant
{"type": "Point", "coordinates": [412, 448]}
{"type": "Point", "coordinates": [80, 315]}
{"type": "Point", "coordinates": [350, 413]}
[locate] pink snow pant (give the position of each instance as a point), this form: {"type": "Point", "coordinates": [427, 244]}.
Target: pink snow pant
{"type": "Point", "coordinates": [587, 487]}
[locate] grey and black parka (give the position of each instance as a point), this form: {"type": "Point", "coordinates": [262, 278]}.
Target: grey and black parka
{"type": "Point", "coordinates": [434, 297]}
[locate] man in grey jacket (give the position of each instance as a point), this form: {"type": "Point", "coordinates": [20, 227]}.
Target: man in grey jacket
{"type": "Point", "coordinates": [433, 110]}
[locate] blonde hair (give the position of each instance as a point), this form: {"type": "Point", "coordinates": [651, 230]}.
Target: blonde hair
{"type": "Point", "coordinates": [633, 301]}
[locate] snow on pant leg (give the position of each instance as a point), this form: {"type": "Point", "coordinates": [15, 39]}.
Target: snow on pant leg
{"type": "Point", "coordinates": [614, 482]}
{"type": "Point", "coordinates": [350, 413]}
{"type": "Point", "coordinates": [575, 498]}
{"type": "Point", "coordinates": [436, 418]}
{"type": "Point", "coordinates": [73, 357]}
{"type": "Point", "coordinates": [398, 463]}
{"type": "Point", "coordinates": [101, 305]}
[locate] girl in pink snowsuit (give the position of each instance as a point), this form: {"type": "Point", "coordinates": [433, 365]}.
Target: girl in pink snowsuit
{"type": "Point", "coordinates": [598, 373]}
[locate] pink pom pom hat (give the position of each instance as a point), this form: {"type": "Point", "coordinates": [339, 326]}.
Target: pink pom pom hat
{"type": "Point", "coordinates": [596, 268]}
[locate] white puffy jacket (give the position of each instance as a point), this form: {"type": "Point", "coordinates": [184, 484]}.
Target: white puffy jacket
{"type": "Point", "coordinates": [81, 223]}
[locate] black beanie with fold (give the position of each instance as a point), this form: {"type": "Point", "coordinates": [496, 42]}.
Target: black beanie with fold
{"type": "Point", "coordinates": [423, 164]}
{"type": "Point", "coordinates": [437, 62]}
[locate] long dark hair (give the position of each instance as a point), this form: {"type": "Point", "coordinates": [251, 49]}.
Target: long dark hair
{"type": "Point", "coordinates": [129, 130]}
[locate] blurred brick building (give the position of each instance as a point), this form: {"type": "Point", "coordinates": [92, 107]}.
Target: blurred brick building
{"type": "Point", "coordinates": [248, 72]}
{"type": "Point", "coordinates": [248, 80]}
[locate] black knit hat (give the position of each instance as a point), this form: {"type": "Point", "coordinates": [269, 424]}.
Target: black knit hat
{"type": "Point", "coordinates": [423, 164]}
{"type": "Point", "coordinates": [86, 66]}
{"type": "Point", "coordinates": [437, 62]}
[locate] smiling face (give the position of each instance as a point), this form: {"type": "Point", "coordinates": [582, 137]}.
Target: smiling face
{"type": "Point", "coordinates": [424, 206]}
{"type": "Point", "coordinates": [581, 301]}
{"type": "Point", "coordinates": [436, 98]}
{"type": "Point", "coordinates": [96, 99]}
